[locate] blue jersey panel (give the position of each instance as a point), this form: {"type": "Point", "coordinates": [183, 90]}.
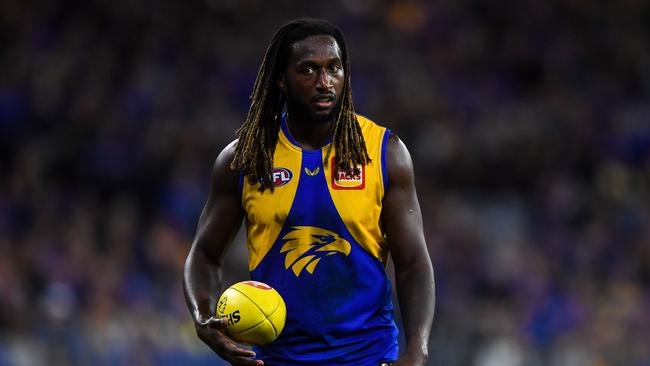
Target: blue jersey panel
{"type": "Point", "coordinates": [339, 310]}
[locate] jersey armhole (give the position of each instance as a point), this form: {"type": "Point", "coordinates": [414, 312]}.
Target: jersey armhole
{"type": "Point", "coordinates": [240, 185]}
{"type": "Point", "coordinates": [384, 168]}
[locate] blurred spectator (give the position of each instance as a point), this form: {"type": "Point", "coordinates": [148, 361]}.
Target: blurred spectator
{"type": "Point", "coordinates": [529, 125]}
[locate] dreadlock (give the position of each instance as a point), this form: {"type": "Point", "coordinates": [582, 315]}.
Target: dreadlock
{"type": "Point", "coordinates": [259, 132]}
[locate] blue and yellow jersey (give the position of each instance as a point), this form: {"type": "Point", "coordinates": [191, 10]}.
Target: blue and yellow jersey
{"type": "Point", "coordinates": [318, 240]}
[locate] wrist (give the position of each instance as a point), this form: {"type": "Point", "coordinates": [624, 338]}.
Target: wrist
{"type": "Point", "coordinates": [200, 317]}
{"type": "Point", "coordinates": [203, 311]}
{"type": "Point", "coordinates": [417, 354]}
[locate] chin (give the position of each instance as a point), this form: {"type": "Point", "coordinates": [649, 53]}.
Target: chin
{"type": "Point", "coordinates": [324, 116]}
{"type": "Point", "coordinates": [316, 115]}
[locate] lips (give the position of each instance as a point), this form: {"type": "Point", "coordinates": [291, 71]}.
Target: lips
{"type": "Point", "coordinates": [323, 100]}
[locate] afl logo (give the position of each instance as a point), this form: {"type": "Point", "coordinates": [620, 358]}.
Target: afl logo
{"type": "Point", "coordinates": [281, 176]}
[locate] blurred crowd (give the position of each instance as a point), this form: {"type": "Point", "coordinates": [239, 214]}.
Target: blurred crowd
{"type": "Point", "coordinates": [528, 123]}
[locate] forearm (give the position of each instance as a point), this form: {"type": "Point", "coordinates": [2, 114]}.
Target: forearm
{"type": "Point", "coordinates": [416, 294]}
{"type": "Point", "coordinates": [201, 285]}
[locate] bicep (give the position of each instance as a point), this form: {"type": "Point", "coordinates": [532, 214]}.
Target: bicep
{"type": "Point", "coordinates": [401, 213]}
{"type": "Point", "coordinates": [222, 214]}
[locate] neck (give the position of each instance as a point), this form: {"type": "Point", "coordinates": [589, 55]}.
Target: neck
{"type": "Point", "coordinates": [310, 134]}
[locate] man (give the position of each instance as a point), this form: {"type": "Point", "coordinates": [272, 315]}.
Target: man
{"type": "Point", "coordinates": [327, 195]}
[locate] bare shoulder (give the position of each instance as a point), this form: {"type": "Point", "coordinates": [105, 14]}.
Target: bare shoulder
{"type": "Point", "coordinates": [398, 161]}
{"type": "Point", "coordinates": [226, 155]}
{"type": "Point", "coordinates": [223, 176]}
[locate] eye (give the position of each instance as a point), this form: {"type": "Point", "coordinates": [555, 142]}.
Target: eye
{"type": "Point", "coordinates": [307, 71]}
{"type": "Point", "coordinates": [335, 69]}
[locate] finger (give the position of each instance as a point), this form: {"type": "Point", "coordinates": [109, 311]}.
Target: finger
{"type": "Point", "coordinates": [228, 346]}
{"type": "Point", "coordinates": [241, 361]}
{"type": "Point", "coordinates": [240, 352]}
{"type": "Point", "coordinates": [236, 357]}
{"type": "Point", "coordinates": [236, 349]}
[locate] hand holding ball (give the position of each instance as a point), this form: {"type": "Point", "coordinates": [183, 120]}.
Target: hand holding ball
{"type": "Point", "coordinates": [254, 311]}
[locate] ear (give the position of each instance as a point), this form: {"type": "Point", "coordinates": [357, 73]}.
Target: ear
{"type": "Point", "coordinates": [282, 83]}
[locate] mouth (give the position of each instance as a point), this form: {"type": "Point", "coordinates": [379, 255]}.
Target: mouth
{"type": "Point", "coordinates": [323, 101]}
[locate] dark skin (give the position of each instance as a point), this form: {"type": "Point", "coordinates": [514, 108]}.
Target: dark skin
{"type": "Point", "coordinates": [313, 82]}
{"type": "Point", "coordinates": [413, 270]}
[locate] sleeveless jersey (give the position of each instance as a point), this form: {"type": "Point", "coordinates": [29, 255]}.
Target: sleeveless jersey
{"type": "Point", "coordinates": [318, 241]}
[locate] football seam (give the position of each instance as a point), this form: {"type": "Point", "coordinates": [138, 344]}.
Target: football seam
{"type": "Point", "coordinates": [270, 322]}
{"type": "Point", "coordinates": [273, 312]}
{"type": "Point", "coordinates": [261, 311]}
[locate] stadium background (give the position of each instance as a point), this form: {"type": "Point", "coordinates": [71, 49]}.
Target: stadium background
{"type": "Point", "coordinates": [529, 126]}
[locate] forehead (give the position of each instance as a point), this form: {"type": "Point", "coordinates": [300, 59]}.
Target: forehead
{"type": "Point", "coordinates": [315, 47]}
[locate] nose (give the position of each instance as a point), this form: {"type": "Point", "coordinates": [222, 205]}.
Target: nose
{"type": "Point", "coordinates": [324, 82]}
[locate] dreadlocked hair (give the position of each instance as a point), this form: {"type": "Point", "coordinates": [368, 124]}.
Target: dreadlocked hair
{"type": "Point", "coordinates": [258, 134]}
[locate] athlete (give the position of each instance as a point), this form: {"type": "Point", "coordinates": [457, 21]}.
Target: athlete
{"type": "Point", "coordinates": [327, 196]}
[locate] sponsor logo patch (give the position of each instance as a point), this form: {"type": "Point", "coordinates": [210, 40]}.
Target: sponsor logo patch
{"type": "Point", "coordinates": [281, 176]}
{"type": "Point", "coordinates": [342, 179]}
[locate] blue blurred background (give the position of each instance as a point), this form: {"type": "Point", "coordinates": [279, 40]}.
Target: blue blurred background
{"type": "Point", "coordinates": [528, 122]}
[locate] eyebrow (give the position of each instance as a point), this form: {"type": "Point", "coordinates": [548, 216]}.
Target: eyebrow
{"type": "Point", "coordinates": [309, 61]}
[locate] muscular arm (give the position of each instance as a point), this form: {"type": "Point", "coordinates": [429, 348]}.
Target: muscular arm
{"type": "Point", "coordinates": [219, 221]}
{"type": "Point", "coordinates": [413, 270]}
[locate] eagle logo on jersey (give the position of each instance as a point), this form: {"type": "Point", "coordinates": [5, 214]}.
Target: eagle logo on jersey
{"type": "Point", "coordinates": [307, 245]}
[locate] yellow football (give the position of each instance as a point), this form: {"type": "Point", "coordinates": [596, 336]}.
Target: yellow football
{"type": "Point", "coordinates": [255, 312]}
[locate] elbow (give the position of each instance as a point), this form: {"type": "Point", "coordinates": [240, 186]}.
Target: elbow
{"type": "Point", "coordinates": [416, 265]}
